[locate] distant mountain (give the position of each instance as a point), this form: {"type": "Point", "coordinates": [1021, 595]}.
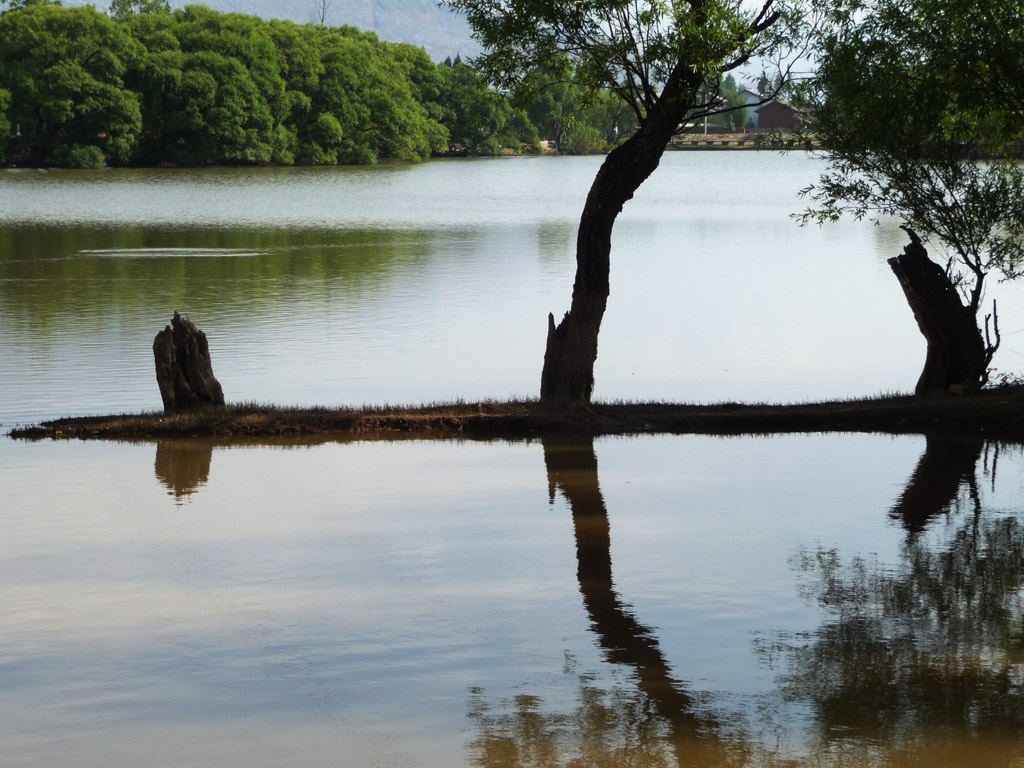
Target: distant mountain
{"type": "Point", "coordinates": [421, 22]}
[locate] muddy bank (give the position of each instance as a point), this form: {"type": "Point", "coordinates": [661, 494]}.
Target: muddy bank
{"type": "Point", "coordinates": [996, 413]}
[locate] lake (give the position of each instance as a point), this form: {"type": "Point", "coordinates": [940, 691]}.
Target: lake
{"type": "Point", "coordinates": [659, 600]}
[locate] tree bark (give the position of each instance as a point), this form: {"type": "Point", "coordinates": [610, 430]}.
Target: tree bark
{"type": "Point", "coordinates": [184, 371]}
{"type": "Point", "coordinates": [571, 351]}
{"type": "Point", "coordinates": [957, 353]}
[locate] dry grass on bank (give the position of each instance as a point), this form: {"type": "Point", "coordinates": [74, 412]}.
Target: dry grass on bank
{"type": "Point", "coordinates": [997, 413]}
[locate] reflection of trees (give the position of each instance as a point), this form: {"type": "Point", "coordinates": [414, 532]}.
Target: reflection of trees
{"type": "Point", "coordinates": [946, 467]}
{"type": "Point", "coordinates": [930, 650]}
{"type": "Point", "coordinates": [572, 469]}
{"type": "Point", "coordinates": [90, 267]}
{"type": "Point", "coordinates": [646, 726]}
{"type": "Point", "coordinates": [608, 729]}
{"type": "Point", "coordinates": [183, 465]}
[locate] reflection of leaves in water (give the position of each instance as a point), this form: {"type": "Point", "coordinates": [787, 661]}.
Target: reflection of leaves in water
{"type": "Point", "coordinates": [914, 665]}
{"type": "Point", "coordinates": [932, 646]}
{"type": "Point", "coordinates": [183, 465]}
{"type": "Point", "coordinates": [49, 272]}
{"type": "Point", "coordinates": [610, 727]}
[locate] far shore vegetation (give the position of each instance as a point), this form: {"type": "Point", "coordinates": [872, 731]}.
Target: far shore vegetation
{"type": "Point", "coordinates": [148, 86]}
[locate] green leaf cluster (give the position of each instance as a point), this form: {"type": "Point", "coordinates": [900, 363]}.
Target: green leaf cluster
{"type": "Point", "coordinates": [577, 119]}
{"type": "Point", "coordinates": [920, 108]}
{"type": "Point", "coordinates": [483, 121]}
{"type": "Point", "coordinates": [628, 48]}
{"type": "Point", "coordinates": [122, 9]}
{"type": "Point", "coordinates": [194, 86]}
{"type": "Point", "coordinates": [65, 70]}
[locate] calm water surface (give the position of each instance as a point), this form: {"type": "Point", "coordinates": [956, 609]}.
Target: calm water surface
{"type": "Point", "coordinates": [841, 600]}
{"type": "Point", "coordinates": [653, 601]}
{"type": "Point", "coordinates": [418, 283]}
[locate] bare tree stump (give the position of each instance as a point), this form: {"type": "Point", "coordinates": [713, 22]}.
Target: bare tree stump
{"type": "Point", "coordinates": [184, 372]}
{"type": "Point", "coordinates": [956, 350]}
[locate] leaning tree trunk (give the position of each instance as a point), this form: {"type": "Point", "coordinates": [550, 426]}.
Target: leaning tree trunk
{"type": "Point", "coordinates": [571, 351]}
{"type": "Point", "coordinates": [184, 371]}
{"type": "Point", "coordinates": [957, 353]}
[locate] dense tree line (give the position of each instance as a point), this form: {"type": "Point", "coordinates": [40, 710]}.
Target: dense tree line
{"type": "Point", "coordinates": [150, 86]}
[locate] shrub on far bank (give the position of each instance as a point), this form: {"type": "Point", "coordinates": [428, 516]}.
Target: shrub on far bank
{"type": "Point", "coordinates": [79, 156]}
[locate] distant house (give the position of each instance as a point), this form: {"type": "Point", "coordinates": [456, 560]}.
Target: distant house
{"type": "Point", "coordinates": [771, 115]}
{"type": "Point", "coordinates": [777, 115]}
{"type": "Point", "coordinates": [752, 99]}
{"type": "Point", "coordinates": [763, 115]}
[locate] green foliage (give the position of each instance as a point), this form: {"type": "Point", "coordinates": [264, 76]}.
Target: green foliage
{"type": "Point", "coordinates": [151, 86]}
{"type": "Point", "coordinates": [5, 124]}
{"type": "Point", "coordinates": [479, 120]}
{"type": "Point", "coordinates": [583, 139]}
{"type": "Point", "coordinates": [122, 9]}
{"type": "Point", "coordinates": [736, 117]}
{"type": "Point", "coordinates": [577, 120]}
{"type": "Point", "coordinates": [195, 87]}
{"type": "Point", "coordinates": [64, 69]}
{"type": "Point", "coordinates": [632, 49]}
{"type": "Point", "coordinates": [79, 156]}
{"type": "Point", "coordinates": [908, 100]}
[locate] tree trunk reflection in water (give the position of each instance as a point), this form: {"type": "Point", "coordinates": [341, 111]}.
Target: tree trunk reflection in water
{"type": "Point", "coordinates": [660, 724]}
{"type": "Point", "coordinates": [572, 469]}
{"type": "Point", "coordinates": [947, 465]}
{"type": "Point", "coordinates": [183, 466]}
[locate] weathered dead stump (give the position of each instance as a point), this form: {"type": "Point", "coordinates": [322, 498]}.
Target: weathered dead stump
{"type": "Point", "coordinates": [184, 372]}
{"type": "Point", "coordinates": [957, 354]}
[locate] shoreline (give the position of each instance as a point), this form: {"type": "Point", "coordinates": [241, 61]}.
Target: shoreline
{"type": "Point", "coordinates": [684, 143]}
{"type": "Point", "coordinates": [996, 413]}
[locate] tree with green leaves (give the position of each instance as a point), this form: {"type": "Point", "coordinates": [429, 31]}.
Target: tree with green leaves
{"type": "Point", "coordinates": [151, 86]}
{"type": "Point", "coordinates": [64, 69]}
{"type": "Point", "coordinates": [122, 9]}
{"type": "Point", "coordinates": [654, 56]}
{"type": "Point", "coordinates": [554, 108]}
{"type": "Point", "coordinates": [910, 97]}
{"type": "Point", "coordinates": [578, 120]}
{"type": "Point", "coordinates": [5, 124]}
{"type": "Point", "coordinates": [18, 5]}
{"type": "Point", "coordinates": [210, 87]}
{"type": "Point", "coordinates": [479, 120]}
{"type": "Point", "coordinates": [368, 91]}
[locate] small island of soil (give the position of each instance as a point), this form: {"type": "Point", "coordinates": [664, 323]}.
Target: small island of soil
{"type": "Point", "coordinates": [996, 413]}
